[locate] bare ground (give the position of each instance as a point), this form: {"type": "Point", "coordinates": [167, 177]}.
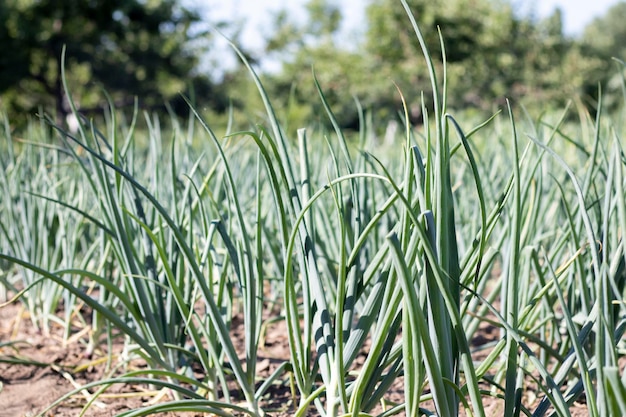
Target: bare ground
{"type": "Point", "coordinates": [28, 389]}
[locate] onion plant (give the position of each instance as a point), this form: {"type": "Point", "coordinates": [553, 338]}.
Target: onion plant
{"type": "Point", "coordinates": [37, 229]}
{"type": "Point", "coordinates": [385, 262]}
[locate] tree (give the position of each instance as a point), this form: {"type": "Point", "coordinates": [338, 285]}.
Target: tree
{"type": "Point", "coordinates": [312, 45]}
{"type": "Point", "coordinates": [604, 39]}
{"type": "Point", "coordinates": [607, 34]}
{"type": "Point", "coordinates": [128, 47]}
{"type": "Point", "coordinates": [492, 53]}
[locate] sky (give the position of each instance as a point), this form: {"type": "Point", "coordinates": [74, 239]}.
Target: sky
{"type": "Point", "coordinates": [576, 13]}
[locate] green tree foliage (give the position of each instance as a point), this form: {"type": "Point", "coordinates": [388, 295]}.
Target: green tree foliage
{"type": "Point", "coordinates": [305, 47]}
{"type": "Point", "coordinates": [604, 40]}
{"type": "Point", "coordinates": [606, 35]}
{"type": "Point", "coordinates": [128, 47]}
{"type": "Point", "coordinates": [493, 52]}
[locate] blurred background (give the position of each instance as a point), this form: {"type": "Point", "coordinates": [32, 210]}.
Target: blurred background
{"type": "Point", "coordinates": [536, 54]}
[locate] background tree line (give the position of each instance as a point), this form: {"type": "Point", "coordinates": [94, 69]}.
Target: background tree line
{"type": "Point", "coordinates": [152, 50]}
{"type": "Point", "coordinates": [492, 53]}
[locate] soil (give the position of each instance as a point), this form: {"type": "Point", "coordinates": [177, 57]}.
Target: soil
{"type": "Point", "coordinates": [56, 367]}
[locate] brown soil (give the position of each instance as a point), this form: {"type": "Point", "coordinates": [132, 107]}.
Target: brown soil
{"type": "Point", "coordinates": [27, 390]}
